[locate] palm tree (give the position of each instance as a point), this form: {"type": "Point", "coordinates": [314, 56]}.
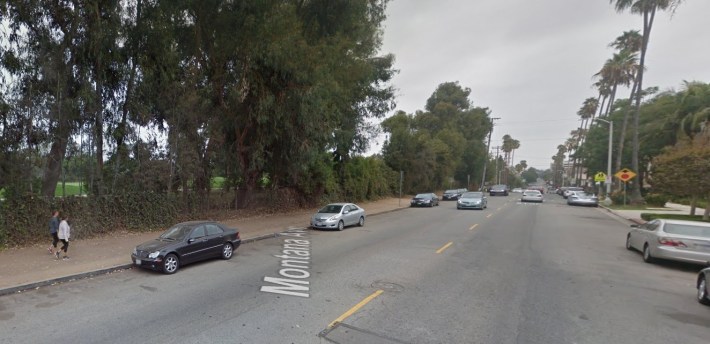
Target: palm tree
{"type": "Point", "coordinates": [586, 114]}
{"type": "Point", "coordinates": [648, 9]}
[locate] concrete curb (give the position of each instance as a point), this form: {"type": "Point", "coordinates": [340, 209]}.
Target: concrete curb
{"type": "Point", "coordinates": [35, 285]}
{"type": "Point", "coordinates": [636, 221]}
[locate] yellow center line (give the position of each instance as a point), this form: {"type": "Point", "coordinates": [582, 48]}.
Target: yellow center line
{"type": "Point", "coordinates": [351, 311]}
{"type": "Point", "coordinates": [489, 215]}
{"type": "Point", "coordinates": [444, 247]}
{"type": "Point", "coordinates": [472, 227]}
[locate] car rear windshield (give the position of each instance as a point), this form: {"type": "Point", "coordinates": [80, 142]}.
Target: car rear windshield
{"type": "Point", "coordinates": [331, 209]}
{"type": "Point", "coordinates": [690, 230]}
{"type": "Point", "coordinates": [531, 193]}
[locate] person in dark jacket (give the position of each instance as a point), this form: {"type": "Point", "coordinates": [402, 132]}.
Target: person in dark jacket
{"type": "Point", "coordinates": [53, 228]}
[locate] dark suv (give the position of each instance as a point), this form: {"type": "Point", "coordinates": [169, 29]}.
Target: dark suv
{"type": "Point", "coordinates": [498, 190]}
{"type": "Point", "coordinates": [453, 194]}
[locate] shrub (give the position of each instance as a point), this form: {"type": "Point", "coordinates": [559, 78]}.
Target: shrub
{"type": "Point", "coordinates": [656, 200]}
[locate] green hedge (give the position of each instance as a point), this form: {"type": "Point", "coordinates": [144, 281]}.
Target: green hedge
{"type": "Point", "coordinates": [653, 216]}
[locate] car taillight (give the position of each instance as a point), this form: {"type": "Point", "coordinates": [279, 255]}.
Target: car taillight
{"type": "Point", "coordinates": [671, 242]}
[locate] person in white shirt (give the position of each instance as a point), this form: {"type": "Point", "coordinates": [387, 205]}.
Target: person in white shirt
{"type": "Point", "coordinates": [63, 233]}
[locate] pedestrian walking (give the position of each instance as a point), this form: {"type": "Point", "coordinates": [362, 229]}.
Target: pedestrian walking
{"type": "Point", "coordinates": [53, 228]}
{"type": "Point", "coordinates": [63, 233]}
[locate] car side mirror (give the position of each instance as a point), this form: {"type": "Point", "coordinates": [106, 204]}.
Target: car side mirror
{"type": "Point", "coordinates": [634, 225]}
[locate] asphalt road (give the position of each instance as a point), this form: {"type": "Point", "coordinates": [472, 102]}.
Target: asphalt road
{"type": "Point", "coordinates": [514, 273]}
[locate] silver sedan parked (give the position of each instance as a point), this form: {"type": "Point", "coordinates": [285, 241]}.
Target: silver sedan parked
{"type": "Point", "coordinates": [582, 198]}
{"type": "Point", "coordinates": [685, 241]}
{"type": "Point", "coordinates": [338, 216]}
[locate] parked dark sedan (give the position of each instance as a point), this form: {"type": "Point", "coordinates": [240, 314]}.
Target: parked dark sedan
{"type": "Point", "coordinates": [425, 200]}
{"type": "Point", "coordinates": [185, 243]}
{"type": "Point", "coordinates": [453, 194]}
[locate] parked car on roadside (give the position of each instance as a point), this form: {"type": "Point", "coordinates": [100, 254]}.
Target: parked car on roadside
{"type": "Point", "coordinates": [531, 196]}
{"type": "Point", "coordinates": [582, 198]}
{"type": "Point", "coordinates": [472, 200]}
{"type": "Point", "coordinates": [569, 189]}
{"type": "Point", "coordinates": [679, 240]}
{"type": "Point", "coordinates": [429, 199]}
{"type": "Point", "coordinates": [498, 190]}
{"type": "Point", "coordinates": [185, 243]}
{"type": "Point", "coordinates": [338, 216]}
{"type": "Point", "coordinates": [703, 286]}
{"type": "Point", "coordinates": [453, 194]}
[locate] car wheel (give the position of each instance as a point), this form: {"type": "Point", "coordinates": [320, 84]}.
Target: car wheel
{"type": "Point", "coordinates": [703, 291]}
{"type": "Point", "coordinates": [647, 254]}
{"type": "Point", "coordinates": [341, 226]}
{"type": "Point", "coordinates": [628, 242]}
{"type": "Point", "coordinates": [227, 251]}
{"type": "Point", "coordinates": [361, 222]}
{"type": "Point", "coordinates": [171, 264]}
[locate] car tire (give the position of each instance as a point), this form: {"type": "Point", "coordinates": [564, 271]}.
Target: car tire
{"type": "Point", "coordinates": [647, 254]}
{"type": "Point", "coordinates": [703, 291]}
{"type": "Point", "coordinates": [341, 225]}
{"type": "Point", "coordinates": [628, 243]}
{"type": "Point", "coordinates": [171, 264]}
{"type": "Point", "coordinates": [361, 222]}
{"type": "Point", "coordinates": [227, 251]}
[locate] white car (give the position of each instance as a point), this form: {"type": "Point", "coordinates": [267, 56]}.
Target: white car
{"type": "Point", "coordinates": [531, 196]}
{"type": "Point", "coordinates": [338, 216]}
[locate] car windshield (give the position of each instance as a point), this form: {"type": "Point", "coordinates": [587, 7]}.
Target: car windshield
{"type": "Point", "coordinates": [177, 232]}
{"type": "Point", "coordinates": [472, 195]}
{"type": "Point", "coordinates": [690, 230]}
{"type": "Point", "coordinates": [331, 209]}
{"type": "Point", "coordinates": [450, 191]}
{"type": "Point", "coordinates": [422, 196]}
{"type": "Point", "coordinates": [498, 187]}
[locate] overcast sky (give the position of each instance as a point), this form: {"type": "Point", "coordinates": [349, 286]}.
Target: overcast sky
{"type": "Point", "coordinates": [531, 62]}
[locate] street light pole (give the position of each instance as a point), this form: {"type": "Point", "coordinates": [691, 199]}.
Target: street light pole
{"type": "Point", "coordinates": [488, 148]}
{"type": "Point", "coordinates": [608, 163]}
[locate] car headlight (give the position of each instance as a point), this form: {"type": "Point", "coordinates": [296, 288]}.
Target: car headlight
{"type": "Point", "coordinates": [427, 200]}
{"type": "Point", "coordinates": [154, 255]}
{"type": "Point", "coordinates": [333, 218]}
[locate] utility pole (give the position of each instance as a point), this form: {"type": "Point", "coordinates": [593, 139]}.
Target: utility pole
{"type": "Point", "coordinates": [488, 150]}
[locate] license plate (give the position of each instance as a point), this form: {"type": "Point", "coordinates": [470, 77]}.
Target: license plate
{"type": "Point", "coordinates": [138, 262]}
{"type": "Point", "coordinates": [319, 223]}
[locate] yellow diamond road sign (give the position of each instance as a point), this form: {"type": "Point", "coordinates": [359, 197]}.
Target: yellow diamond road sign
{"type": "Point", "coordinates": [600, 177]}
{"type": "Point", "coordinates": [625, 174]}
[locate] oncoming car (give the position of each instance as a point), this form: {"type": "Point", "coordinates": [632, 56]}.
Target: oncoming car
{"type": "Point", "coordinates": [185, 243]}
{"type": "Point", "coordinates": [472, 200]}
{"type": "Point", "coordinates": [338, 216]}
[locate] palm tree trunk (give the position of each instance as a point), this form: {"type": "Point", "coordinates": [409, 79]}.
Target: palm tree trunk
{"type": "Point", "coordinates": [622, 134]}
{"type": "Point", "coordinates": [636, 197]}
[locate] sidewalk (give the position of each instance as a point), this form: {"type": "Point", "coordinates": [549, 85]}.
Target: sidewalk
{"type": "Point", "coordinates": [32, 267]}
{"type": "Point", "coordinates": [635, 215]}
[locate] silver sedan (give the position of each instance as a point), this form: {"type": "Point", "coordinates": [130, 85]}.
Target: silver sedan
{"type": "Point", "coordinates": [685, 241]}
{"type": "Point", "coordinates": [338, 216]}
{"type": "Point", "coordinates": [472, 200]}
{"type": "Point", "coordinates": [531, 196]}
{"type": "Point", "coordinates": [582, 198]}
